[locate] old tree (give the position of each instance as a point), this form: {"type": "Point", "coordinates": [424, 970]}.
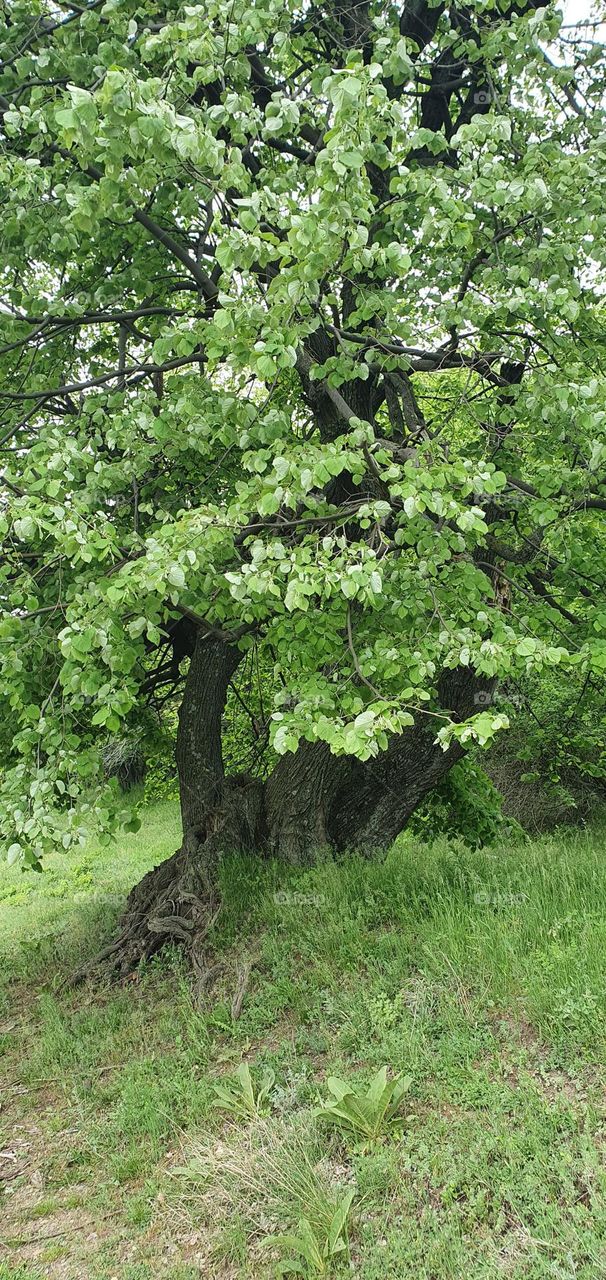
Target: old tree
{"type": "Point", "coordinates": [302, 372]}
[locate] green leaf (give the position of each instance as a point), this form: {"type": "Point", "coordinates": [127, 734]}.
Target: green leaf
{"type": "Point", "coordinates": [338, 1221]}
{"type": "Point", "coordinates": [175, 575]}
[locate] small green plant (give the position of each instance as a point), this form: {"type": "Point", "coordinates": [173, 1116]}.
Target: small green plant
{"type": "Point", "coordinates": [385, 1012]}
{"type": "Point", "coordinates": [315, 1253]}
{"type": "Point", "coordinates": [243, 1098]}
{"type": "Point", "coordinates": [370, 1115]}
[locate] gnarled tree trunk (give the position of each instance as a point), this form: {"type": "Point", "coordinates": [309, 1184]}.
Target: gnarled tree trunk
{"type": "Point", "coordinates": [177, 900]}
{"type": "Point", "coordinates": [313, 800]}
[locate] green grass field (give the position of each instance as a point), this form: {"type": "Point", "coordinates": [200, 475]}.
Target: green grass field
{"type": "Point", "coordinates": [482, 975]}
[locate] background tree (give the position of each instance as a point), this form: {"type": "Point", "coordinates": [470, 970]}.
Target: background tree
{"type": "Point", "coordinates": [301, 359]}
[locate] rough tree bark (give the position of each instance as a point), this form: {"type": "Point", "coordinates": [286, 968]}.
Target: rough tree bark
{"type": "Point", "coordinates": [312, 801]}
{"type": "Point", "coordinates": [177, 900]}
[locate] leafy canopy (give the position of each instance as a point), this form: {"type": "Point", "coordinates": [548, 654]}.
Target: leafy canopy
{"type": "Point", "coordinates": [301, 342]}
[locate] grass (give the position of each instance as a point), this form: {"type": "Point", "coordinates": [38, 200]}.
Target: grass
{"type": "Point", "coordinates": [56, 915]}
{"type": "Point", "coordinates": [480, 973]}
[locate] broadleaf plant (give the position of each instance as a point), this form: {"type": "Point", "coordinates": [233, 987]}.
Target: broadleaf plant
{"type": "Point", "coordinates": [313, 1254]}
{"type": "Point", "coordinates": [369, 1115]}
{"type": "Point", "coordinates": [243, 1098]}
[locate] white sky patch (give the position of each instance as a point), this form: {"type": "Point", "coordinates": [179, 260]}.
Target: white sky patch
{"type": "Point", "coordinates": [583, 11]}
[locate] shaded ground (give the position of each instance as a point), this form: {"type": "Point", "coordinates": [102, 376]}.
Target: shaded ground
{"type": "Point", "coordinates": [481, 974]}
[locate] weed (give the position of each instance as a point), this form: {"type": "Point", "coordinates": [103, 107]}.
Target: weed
{"type": "Point", "coordinates": [367, 1116]}
{"type": "Point", "coordinates": [243, 1098]}
{"type": "Point", "coordinates": [315, 1254]}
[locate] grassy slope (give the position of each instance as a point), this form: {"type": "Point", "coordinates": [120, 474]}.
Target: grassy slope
{"type": "Point", "coordinates": [483, 974]}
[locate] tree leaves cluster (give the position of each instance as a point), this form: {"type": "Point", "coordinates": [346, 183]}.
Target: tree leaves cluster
{"type": "Point", "coordinates": [301, 349]}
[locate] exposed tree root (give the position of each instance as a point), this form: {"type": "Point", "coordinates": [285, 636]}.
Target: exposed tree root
{"type": "Point", "coordinates": [175, 902]}
{"type": "Point", "coordinates": [178, 900]}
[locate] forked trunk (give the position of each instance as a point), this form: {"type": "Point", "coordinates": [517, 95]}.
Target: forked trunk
{"type": "Point", "coordinates": [316, 800]}
{"type": "Point", "coordinates": [312, 801]}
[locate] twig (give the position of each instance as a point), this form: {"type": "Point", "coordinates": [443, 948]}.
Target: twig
{"type": "Point", "coordinates": [42, 1084]}
{"type": "Point", "coordinates": [20, 1242]}
{"type": "Point", "coordinates": [241, 989]}
{"type": "Point", "coordinates": [356, 661]}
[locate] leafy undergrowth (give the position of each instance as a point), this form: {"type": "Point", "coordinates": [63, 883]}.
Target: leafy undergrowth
{"type": "Point", "coordinates": [481, 975]}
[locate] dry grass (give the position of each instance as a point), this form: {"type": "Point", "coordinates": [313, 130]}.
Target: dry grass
{"type": "Point", "coordinates": [268, 1174]}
